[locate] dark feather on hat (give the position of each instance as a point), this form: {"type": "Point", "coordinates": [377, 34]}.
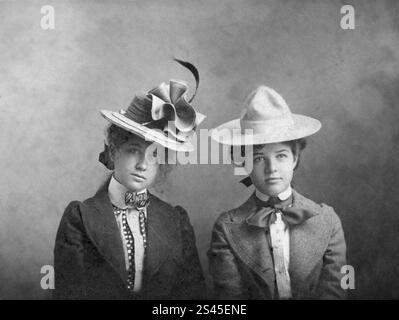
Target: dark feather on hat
{"type": "Point", "coordinates": [195, 73]}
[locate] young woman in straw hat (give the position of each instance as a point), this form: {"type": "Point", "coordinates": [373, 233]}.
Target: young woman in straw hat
{"type": "Point", "coordinates": [124, 242]}
{"type": "Point", "coordinates": [278, 244]}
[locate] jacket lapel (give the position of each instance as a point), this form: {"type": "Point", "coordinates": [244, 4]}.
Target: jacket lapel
{"type": "Point", "coordinates": [250, 244]}
{"type": "Point", "coordinates": [160, 233]}
{"type": "Point", "coordinates": [307, 243]}
{"type": "Point", "coordinates": [103, 230]}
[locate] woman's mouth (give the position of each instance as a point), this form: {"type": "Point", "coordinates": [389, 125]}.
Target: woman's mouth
{"type": "Point", "coordinates": [272, 180]}
{"type": "Point", "coordinates": [138, 177]}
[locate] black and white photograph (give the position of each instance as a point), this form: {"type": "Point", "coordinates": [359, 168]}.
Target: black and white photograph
{"type": "Point", "coordinates": [199, 150]}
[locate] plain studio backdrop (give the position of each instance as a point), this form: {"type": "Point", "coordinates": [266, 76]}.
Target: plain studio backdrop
{"type": "Point", "coordinates": [54, 82]}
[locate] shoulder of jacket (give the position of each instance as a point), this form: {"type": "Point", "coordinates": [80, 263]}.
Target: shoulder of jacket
{"type": "Point", "coordinates": [180, 211]}
{"type": "Point", "coordinates": [226, 217]}
{"type": "Point", "coordinates": [73, 207]}
{"type": "Point", "coordinates": [326, 208]}
{"type": "Point", "coordinates": [322, 210]}
{"type": "Point", "coordinates": [163, 207]}
{"type": "Point", "coordinates": [72, 214]}
{"type": "Point", "coordinates": [330, 214]}
{"type": "Point", "coordinates": [238, 214]}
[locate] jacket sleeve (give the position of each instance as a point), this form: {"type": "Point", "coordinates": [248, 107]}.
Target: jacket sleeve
{"type": "Point", "coordinates": [68, 255]}
{"type": "Point", "coordinates": [191, 284]}
{"type": "Point", "coordinates": [223, 266]}
{"type": "Point", "coordinates": [333, 260]}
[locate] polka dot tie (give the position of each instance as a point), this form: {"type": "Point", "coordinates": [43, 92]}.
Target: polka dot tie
{"type": "Point", "coordinates": [139, 201]}
{"type": "Point", "coordinates": [129, 239]}
{"type": "Point", "coordinates": [130, 251]}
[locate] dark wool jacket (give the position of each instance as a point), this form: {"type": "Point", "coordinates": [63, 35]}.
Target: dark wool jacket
{"type": "Point", "coordinates": [89, 258]}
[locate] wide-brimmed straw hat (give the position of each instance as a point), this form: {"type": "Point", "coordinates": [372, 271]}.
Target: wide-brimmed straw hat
{"type": "Point", "coordinates": [266, 118]}
{"type": "Point", "coordinates": [162, 115]}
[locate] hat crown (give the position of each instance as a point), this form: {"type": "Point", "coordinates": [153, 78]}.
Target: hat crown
{"type": "Point", "coordinates": [139, 109]}
{"type": "Point", "coordinates": [266, 118]}
{"type": "Point", "coordinates": [265, 104]}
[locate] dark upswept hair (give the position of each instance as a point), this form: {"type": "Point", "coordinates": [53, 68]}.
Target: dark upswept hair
{"type": "Point", "coordinates": [297, 146]}
{"type": "Point", "coordinates": [116, 137]}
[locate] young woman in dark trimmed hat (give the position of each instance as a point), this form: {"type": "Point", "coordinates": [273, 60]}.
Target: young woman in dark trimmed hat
{"type": "Point", "coordinates": [124, 242]}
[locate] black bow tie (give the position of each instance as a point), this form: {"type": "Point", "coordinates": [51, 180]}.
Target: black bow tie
{"type": "Point", "coordinates": [137, 200]}
{"type": "Point", "coordinates": [266, 213]}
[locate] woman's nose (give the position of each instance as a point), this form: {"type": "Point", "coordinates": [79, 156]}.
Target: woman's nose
{"type": "Point", "coordinates": [142, 164]}
{"type": "Point", "coordinates": [270, 166]}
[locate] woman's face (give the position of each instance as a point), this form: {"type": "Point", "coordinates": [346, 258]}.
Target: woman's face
{"type": "Point", "coordinates": [273, 168]}
{"type": "Point", "coordinates": [131, 166]}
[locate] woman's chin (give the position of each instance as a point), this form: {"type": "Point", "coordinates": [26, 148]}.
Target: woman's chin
{"type": "Point", "coordinates": [136, 186]}
{"type": "Point", "coordinates": [271, 191]}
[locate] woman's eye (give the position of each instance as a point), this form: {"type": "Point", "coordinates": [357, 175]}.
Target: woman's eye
{"type": "Point", "coordinates": [281, 156]}
{"type": "Point", "coordinates": [134, 151]}
{"type": "Point", "coordinates": [258, 159]}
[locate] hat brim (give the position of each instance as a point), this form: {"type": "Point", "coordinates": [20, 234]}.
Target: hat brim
{"type": "Point", "coordinates": [148, 134]}
{"type": "Point", "coordinates": [230, 133]}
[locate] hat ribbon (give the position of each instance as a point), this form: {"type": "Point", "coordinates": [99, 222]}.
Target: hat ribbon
{"type": "Point", "coordinates": [169, 104]}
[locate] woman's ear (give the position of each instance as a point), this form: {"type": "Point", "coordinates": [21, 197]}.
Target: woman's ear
{"type": "Point", "coordinates": [296, 159]}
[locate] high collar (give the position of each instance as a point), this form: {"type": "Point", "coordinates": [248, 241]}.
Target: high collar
{"type": "Point", "coordinates": [282, 196]}
{"type": "Point", "coordinates": [116, 192]}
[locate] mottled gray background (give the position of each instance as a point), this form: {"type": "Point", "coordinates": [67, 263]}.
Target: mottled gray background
{"type": "Point", "coordinates": [53, 84]}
